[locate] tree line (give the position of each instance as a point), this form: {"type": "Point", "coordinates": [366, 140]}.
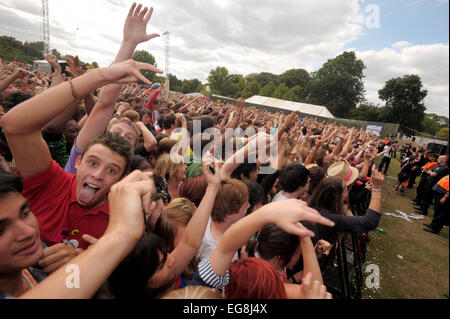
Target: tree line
{"type": "Point", "coordinates": [27, 52]}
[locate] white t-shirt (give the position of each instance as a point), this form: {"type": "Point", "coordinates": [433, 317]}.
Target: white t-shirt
{"type": "Point", "coordinates": [387, 154]}
{"type": "Point", "coordinates": [209, 244]}
{"type": "Point", "coordinates": [279, 196]}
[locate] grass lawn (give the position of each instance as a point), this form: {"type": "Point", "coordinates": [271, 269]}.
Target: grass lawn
{"type": "Point", "coordinates": [423, 272]}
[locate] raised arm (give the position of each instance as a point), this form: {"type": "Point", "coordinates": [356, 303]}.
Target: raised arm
{"type": "Point", "coordinates": [149, 139]}
{"type": "Point", "coordinates": [22, 125]}
{"type": "Point", "coordinates": [58, 124]}
{"type": "Point", "coordinates": [285, 214]}
{"type": "Point", "coordinates": [18, 74]}
{"type": "Point", "coordinates": [195, 230]}
{"type": "Point", "coordinates": [134, 32]}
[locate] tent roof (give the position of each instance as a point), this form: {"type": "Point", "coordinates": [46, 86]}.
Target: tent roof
{"type": "Point", "coordinates": [291, 106]}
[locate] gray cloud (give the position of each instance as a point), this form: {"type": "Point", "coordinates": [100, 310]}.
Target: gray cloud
{"type": "Point", "coordinates": [430, 62]}
{"type": "Point", "coordinates": [244, 36]}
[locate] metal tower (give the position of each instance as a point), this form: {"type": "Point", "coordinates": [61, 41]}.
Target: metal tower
{"type": "Point", "coordinates": [166, 58]}
{"type": "Point", "coordinates": [46, 26]}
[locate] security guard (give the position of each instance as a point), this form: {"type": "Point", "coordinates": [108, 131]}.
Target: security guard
{"type": "Point", "coordinates": [441, 206]}
{"type": "Point", "coordinates": [426, 170]}
{"type": "Point", "coordinates": [435, 175]}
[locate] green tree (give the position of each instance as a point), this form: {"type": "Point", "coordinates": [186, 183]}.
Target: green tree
{"type": "Point", "coordinates": [338, 84]}
{"type": "Point", "coordinates": [268, 89]}
{"type": "Point", "coordinates": [296, 94]}
{"type": "Point", "coordinates": [404, 102]}
{"type": "Point", "coordinates": [430, 125]}
{"type": "Point", "coordinates": [263, 78]}
{"type": "Point", "coordinates": [57, 54]}
{"type": "Point", "coordinates": [95, 65]}
{"type": "Point", "coordinates": [234, 84]}
{"type": "Point", "coordinates": [34, 49]}
{"type": "Point", "coordinates": [190, 86]}
{"type": "Point", "coordinates": [217, 80]}
{"type": "Point", "coordinates": [366, 112]}
{"type": "Point", "coordinates": [14, 50]}
{"type": "Point", "coordinates": [175, 83]}
{"type": "Point", "coordinates": [252, 88]}
{"type": "Point", "coordinates": [443, 132]}
{"type": "Point", "coordinates": [294, 77]}
{"type": "Point", "coordinates": [281, 91]}
{"type": "Point", "coordinates": [144, 56]}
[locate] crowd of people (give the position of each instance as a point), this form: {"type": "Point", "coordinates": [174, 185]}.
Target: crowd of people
{"type": "Point", "coordinates": [127, 183]}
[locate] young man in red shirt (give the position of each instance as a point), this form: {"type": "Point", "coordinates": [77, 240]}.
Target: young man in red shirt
{"type": "Point", "coordinates": [68, 206]}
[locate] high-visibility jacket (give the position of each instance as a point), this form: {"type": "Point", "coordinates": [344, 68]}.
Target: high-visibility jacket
{"type": "Point", "coordinates": [443, 182]}
{"type": "Point", "coordinates": [429, 166]}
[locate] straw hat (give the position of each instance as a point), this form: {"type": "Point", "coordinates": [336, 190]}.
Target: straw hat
{"type": "Point", "coordinates": [340, 169]}
{"type": "Point", "coordinates": [308, 166]}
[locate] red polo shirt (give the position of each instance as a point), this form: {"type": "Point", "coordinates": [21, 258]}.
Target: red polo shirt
{"type": "Point", "coordinates": [61, 218]}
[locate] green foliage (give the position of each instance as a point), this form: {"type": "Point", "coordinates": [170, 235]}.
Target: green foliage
{"type": "Point", "coordinates": [191, 86]}
{"type": "Point", "coordinates": [95, 65]}
{"type": "Point", "coordinates": [175, 83]}
{"type": "Point", "coordinates": [430, 126]}
{"type": "Point", "coordinates": [34, 49]}
{"type": "Point", "coordinates": [268, 89]}
{"type": "Point", "coordinates": [144, 56]}
{"type": "Point", "coordinates": [252, 88]}
{"type": "Point", "coordinates": [14, 50]}
{"type": "Point", "coordinates": [281, 91]}
{"type": "Point", "coordinates": [263, 78]}
{"type": "Point", "coordinates": [366, 112]}
{"type": "Point", "coordinates": [296, 94]}
{"type": "Point", "coordinates": [294, 77]}
{"type": "Point", "coordinates": [404, 102]}
{"type": "Point", "coordinates": [159, 79]}
{"type": "Point", "coordinates": [58, 55]}
{"type": "Point", "coordinates": [338, 84]}
{"type": "Point", "coordinates": [443, 132]}
{"type": "Point", "coordinates": [217, 80]}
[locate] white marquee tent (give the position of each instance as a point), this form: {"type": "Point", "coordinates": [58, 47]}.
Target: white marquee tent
{"type": "Point", "coordinates": [291, 106]}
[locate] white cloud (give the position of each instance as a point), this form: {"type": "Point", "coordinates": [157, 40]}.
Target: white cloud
{"type": "Point", "coordinates": [430, 62]}
{"type": "Point", "coordinates": [244, 36]}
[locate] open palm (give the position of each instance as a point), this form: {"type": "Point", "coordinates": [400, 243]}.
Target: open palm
{"type": "Point", "coordinates": [135, 28]}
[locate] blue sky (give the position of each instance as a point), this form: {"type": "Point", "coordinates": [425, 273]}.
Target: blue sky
{"type": "Point", "coordinates": [415, 21]}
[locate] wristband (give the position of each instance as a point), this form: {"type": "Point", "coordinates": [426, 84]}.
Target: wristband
{"type": "Point", "coordinates": [74, 93]}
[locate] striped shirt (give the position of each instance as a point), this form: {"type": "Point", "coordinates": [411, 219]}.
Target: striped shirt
{"type": "Point", "coordinates": [209, 277]}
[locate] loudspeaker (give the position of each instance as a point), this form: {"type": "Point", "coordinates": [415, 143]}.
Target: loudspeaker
{"type": "Point", "coordinates": [437, 148]}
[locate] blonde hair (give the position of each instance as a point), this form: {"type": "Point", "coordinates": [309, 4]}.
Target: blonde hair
{"type": "Point", "coordinates": [165, 167]}
{"type": "Point", "coordinates": [193, 292]}
{"type": "Point", "coordinates": [180, 210]}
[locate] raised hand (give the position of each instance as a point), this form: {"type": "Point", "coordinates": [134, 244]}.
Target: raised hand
{"type": "Point", "coordinates": [127, 71]}
{"type": "Point", "coordinates": [211, 169]}
{"type": "Point", "coordinates": [293, 211]}
{"type": "Point", "coordinates": [51, 59]}
{"type": "Point", "coordinates": [313, 289]}
{"type": "Point", "coordinates": [74, 68]}
{"type": "Point", "coordinates": [377, 178]}
{"type": "Point", "coordinates": [21, 73]}
{"type": "Point", "coordinates": [135, 28]}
